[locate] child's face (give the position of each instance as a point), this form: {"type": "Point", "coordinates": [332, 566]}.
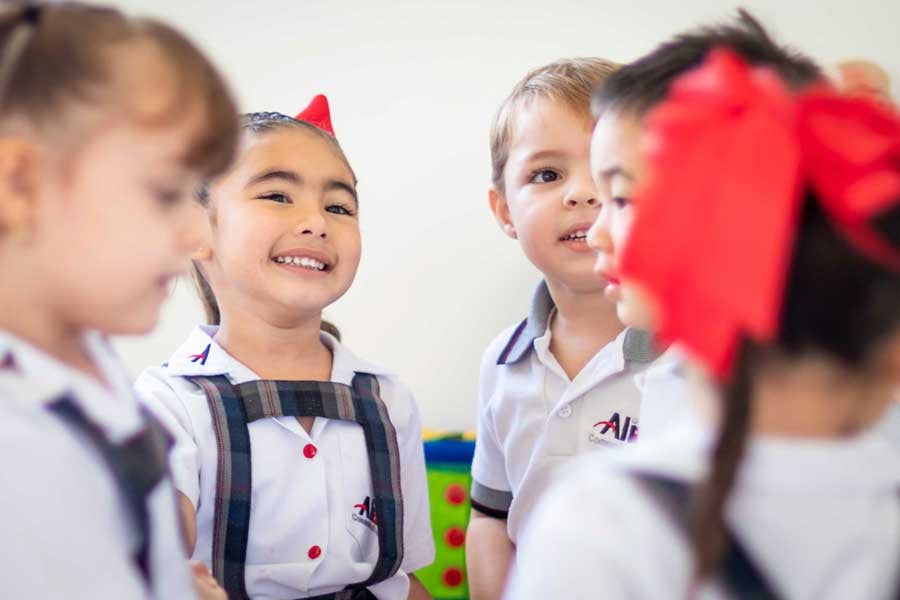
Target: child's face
{"type": "Point", "coordinates": [548, 199]}
{"type": "Point", "coordinates": [617, 167]}
{"type": "Point", "coordinates": [116, 220]}
{"type": "Point", "coordinates": [285, 232]}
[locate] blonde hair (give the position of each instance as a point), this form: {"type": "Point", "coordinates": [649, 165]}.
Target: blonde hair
{"type": "Point", "coordinates": [570, 81]}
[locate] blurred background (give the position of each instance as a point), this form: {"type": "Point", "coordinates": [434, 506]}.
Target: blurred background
{"type": "Point", "coordinates": [413, 86]}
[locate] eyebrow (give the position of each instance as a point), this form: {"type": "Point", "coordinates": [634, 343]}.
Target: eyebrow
{"type": "Point", "coordinates": [610, 172]}
{"type": "Point", "coordinates": [542, 154]}
{"type": "Point", "coordinates": [295, 178]}
{"type": "Point", "coordinates": [276, 175]}
{"type": "Point", "coordinates": [337, 184]}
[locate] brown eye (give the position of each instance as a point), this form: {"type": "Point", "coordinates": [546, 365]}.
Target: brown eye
{"type": "Point", "coordinates": [276, 197]}
{"type": "Point", "coordinates": [545, 176]}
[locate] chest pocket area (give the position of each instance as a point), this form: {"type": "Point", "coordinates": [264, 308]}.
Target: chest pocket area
{"type": "Point", "coordinates": [359, 507]}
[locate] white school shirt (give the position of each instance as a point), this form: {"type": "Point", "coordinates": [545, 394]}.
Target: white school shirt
{"type": "Point", "coordinates": [819, 518]}
{"type": "Point", "coordinates": [532, 417]}
{"type": "Point", "coordinates": [67, 532]}
{"type": "Point", "coordinates": [298, 503]}
{"type": "Point", "coordinates": [665, 394]}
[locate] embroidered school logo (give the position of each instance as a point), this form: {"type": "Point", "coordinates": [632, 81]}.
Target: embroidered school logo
{"type": "Point", "coordinates": [364, 513]}
{"type": "Point", "coordinates": [615, 428]}
{"type": "Point", "coordinates": [200, 358]}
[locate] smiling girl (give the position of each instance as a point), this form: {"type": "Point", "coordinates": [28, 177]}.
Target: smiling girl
{"type": "Point", "coordinates": [300, 466]}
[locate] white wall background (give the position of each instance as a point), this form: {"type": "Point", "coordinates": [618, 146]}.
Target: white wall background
{"type": "Point", "coordinates": [413, 85]}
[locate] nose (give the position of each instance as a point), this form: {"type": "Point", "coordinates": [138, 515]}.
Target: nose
{"type": "Point", "coordinates": [598, 236]}
{"type": "Point", "coordinates": [581, 193]}
{"type": "Point", "coordinates": [312, 222]}
{"type": "Point", "coordinates": [576, 200]}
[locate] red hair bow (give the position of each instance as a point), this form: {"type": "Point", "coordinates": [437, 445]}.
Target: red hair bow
{"type": "Point", "coordinates": [318, 114]}
{"type": "Point", "coordinates": [730, 154]}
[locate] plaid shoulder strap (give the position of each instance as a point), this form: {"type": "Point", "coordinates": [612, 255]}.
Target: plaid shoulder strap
{"type": "Point", "coordinates": [231, 513]}
{"type": "Point", "coordinates": [137, 465]}
{"type": "Point", "coordinates": [233, 407]}
{"type": "Point", "coordinates": [739, 574]}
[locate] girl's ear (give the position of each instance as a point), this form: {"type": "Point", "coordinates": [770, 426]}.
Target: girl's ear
{"type": "Point", "coordinates": [18, 187]}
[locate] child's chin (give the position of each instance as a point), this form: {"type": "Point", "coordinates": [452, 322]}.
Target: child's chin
{"type": "Point", "coordinates": [580, 278]}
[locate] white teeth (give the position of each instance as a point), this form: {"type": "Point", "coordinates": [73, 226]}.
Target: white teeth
{"type": "Point", "coordinates": [301, 261]}
{"type": "Point", "coordinates": [578, 235]}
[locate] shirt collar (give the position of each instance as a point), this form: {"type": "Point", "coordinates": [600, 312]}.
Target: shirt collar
{"type": "Point", "coordinates": [521, 342]}
{"type": "Point", "coordinates": [637, 345]}
{"type": "Point", "coordinates": [35, 378]}
{"type": "Point", "coordinates": [200, 355]}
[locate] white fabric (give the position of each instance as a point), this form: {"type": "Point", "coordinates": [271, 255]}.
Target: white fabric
{"type": "Point", "coordinates": [67, 532]}
{"type": "Point", "coordinates": [297, 502]}
{"type": "Point", "coordinates": [821, 519]}
{"type": "Point", "coordinates": [532, 417]}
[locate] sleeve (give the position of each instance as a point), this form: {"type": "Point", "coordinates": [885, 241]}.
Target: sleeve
{"type": "Point", "coordinates": [556, 541]}
{"type": "Point", "coordinates": [596, 534]}
{"type": "Point", "coordinates": [418, 539]}
{"type": "Point", "coordinates": [163, 401]}
{"type": "Point", "coordinates": [491, 492]}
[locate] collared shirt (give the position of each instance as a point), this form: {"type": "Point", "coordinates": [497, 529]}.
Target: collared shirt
{"type": "Point", "coordinates": [532, 416]}
{"type": "Point", "coordinates": [819, 518]}
{"type": "Point", "coordinates": [67, 531]}
{"type": "Point", "coordinates": [307, 487]}
{"type": "Point", "coordinates": [665, 394]}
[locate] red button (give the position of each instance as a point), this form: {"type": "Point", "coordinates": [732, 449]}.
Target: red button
{"type": "Point", "coordinates": [309, 451]}
{"type": "Point", "coordinates": [455, 537]}
{"type": "Point", "coordinates": [314, 552]}
{"type": "Point", "coordinates": [452, 577]}
{"type": "Point", "coordinates": [455, 494]}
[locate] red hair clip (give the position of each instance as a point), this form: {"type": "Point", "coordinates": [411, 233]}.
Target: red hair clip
{"type": "Point", "coordinates": [317, 113]}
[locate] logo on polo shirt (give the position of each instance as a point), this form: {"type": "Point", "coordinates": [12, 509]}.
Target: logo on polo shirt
{"type": "Point", "coordinates": [364, 513]}
{"type": "Point", "coordinates": [200, 358]}
{"type": "Point", "coordinates": [614, 428]}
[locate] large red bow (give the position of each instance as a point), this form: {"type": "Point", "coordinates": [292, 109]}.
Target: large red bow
{"type": "Point", "coordinates": [730, 153]}
{"type": "Point", "coordinates": [318, 114]}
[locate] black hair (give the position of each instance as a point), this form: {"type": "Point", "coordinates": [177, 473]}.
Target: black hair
{"type": "Point", "coordinates": [838, 304]}
{"type": "Point", "coordinates": [639, 86]}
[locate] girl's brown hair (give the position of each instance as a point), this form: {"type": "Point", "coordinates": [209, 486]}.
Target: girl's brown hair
{"type": "Point", "coordinates": [55, 56]}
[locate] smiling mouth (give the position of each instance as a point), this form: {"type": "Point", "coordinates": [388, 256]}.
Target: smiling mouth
{"type": "Point", "coordinates": [575, 236]}
{"type": "Point", "coordinates": [304, 262]}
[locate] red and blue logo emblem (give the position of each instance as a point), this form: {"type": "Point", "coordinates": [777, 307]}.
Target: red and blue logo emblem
{"type": "Point", "coordinates": [201, 358]}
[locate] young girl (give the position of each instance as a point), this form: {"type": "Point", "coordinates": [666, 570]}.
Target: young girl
{"type": "Point", "coordinates": [300, 466]}
{"type": "Point", "coordinates": [779, 271]}
{"type": "Point", "coordinates": [106, 125]}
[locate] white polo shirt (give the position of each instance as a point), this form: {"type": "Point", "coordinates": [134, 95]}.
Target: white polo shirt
{"type": "Point", "coordinates": [819, 518]}
{"type": "Point", "coordinates": [300, 499]}
{"type": "Point", "coordinates": [66, 528]}
{"type": "Point", "coordinates": [665, 394]}
{"type": "Point", "coordinates": [532, 416]}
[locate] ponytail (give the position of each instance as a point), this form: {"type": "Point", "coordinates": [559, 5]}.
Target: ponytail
{"type": "Point", "coordinates": [709, 529]}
